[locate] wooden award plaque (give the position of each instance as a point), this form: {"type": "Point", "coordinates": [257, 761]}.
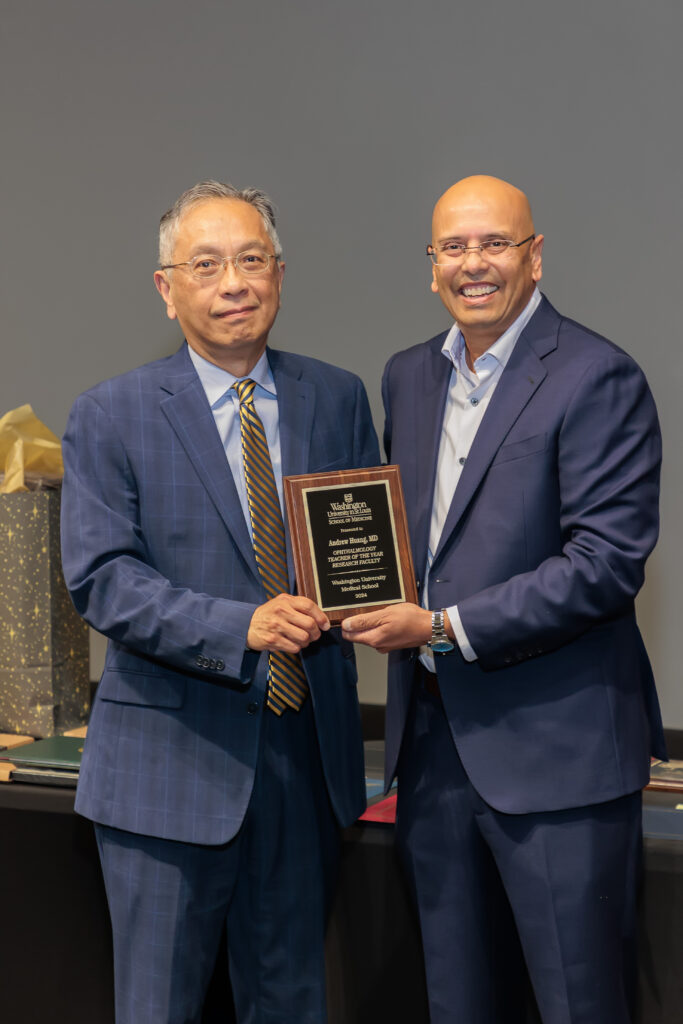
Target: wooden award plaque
{"type": "Point", "coordinates": [350, 539]}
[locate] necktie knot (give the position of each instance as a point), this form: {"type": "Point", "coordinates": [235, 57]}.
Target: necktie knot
{"type": "Point", "coordinates": [245, 389]}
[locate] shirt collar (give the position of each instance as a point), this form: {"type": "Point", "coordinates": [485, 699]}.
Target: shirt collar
{"type": "Point", "coordinates": [217, 382]}
{"type": "Point", "coordinates": [501, 350]}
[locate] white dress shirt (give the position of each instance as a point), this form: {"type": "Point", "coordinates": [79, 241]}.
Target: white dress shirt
{"type": "Point", "coordinates": [218, 385]}
{"type": "Point", "coordinates": [469, 393]}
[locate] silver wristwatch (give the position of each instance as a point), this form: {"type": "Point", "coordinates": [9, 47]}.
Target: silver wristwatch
{"type": "Point", "coordinates": [440, 642]}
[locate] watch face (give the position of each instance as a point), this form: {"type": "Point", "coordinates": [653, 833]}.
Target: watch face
{"type": "Point", "coordinates": [441, 646]}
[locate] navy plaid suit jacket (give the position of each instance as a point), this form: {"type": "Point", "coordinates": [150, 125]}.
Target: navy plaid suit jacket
{"type": "Point", "coordinates": [157, 557]}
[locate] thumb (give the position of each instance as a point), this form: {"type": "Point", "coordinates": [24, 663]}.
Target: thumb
{"type": "Point", "coordinates": [356, 624]}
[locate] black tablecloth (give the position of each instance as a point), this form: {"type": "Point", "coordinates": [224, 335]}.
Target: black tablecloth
{"type": "Point", "coordinates": [55, 942]}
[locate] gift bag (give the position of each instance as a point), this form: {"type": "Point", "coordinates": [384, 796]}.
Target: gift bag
{"type": "Point", "coordinates": [44, 649]}
{"type": "Point", "coordinates": [44, 646]}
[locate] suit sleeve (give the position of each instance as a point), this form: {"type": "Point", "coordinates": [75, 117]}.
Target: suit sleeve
{"type": "Point", "coordinates": [108, 569]}
{"type": "Point", "coordinates": [608, 460]}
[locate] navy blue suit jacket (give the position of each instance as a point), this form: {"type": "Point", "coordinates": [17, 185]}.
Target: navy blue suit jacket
{"type": "Point", "coordinates": [157, 556]}
{"type": "Point", "coordinates": [543, 551]}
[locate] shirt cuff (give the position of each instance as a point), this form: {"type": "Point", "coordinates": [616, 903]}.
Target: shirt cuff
{"type": "Point", "coordinates": [460, 634]}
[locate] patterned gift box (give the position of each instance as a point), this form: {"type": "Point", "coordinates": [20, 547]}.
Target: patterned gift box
{"type": "Point", "coordinates": [44, 670]}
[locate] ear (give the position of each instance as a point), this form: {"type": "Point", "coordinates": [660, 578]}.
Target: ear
{"type": "Point", "coordinates": [163, 286]}
{"type": "Point", "coordinates": [280, 279]}
{"type": "Point", "coordinates": [536, 258]}
{"type": "Point", "coordinates": [435, 284]}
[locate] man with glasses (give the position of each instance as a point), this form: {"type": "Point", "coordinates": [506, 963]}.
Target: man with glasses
{"type": "Point", "coordinates": [224, 749]}
{"type": "Point", "coordinates": [521, 708]}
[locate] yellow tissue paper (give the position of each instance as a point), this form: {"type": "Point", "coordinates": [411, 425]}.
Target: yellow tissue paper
{"type": "Point", "coordinates": [29, 452]}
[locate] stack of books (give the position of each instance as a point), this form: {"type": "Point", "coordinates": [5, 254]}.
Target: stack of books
{"type": "Point", "coordinates": [666, 775]}
{"type": "Point", "coordinates": [50, 762]}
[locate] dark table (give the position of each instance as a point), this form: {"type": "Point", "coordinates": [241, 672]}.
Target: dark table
{"type": "Point", "coordinates": [55, 941]}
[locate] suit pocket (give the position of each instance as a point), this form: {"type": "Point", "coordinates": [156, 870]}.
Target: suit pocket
{"type": "Point", "coordinates": [145, 690]}
{"type": "Point", "coordinates": [518, 449]}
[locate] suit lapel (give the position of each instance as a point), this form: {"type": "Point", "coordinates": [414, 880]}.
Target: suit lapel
{"type": "Point", "coordinates": [296, 410]}
{"type": "Point", "coordinates": [432, 389]}
{"type": "Point", "coordinates": [186, 407]}
{"type": "Point", "coordinates": [520, 379]}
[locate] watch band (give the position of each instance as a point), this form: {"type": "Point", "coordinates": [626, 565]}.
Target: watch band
{"type": "Point", "coordinates": [440, 642]}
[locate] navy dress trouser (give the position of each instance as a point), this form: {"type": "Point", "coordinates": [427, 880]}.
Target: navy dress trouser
{"type": "Point", "coordinates": [272, 883]}
{"type": "Point", "coordinates": [562, 884]}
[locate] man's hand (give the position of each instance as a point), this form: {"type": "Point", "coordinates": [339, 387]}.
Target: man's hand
{"type": "Point", "coordinates": [286, 623]}
{"type": "Point", "coordinates": [392, 628]}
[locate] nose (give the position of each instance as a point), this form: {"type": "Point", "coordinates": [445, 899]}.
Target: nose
{"type": "Point", "coordinates": [473, 259]}
{"type": "Point", "coordinates": [231, 280]}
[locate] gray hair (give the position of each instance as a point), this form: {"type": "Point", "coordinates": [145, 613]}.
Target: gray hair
{"type": "Point", "coordinates": [168, 227]}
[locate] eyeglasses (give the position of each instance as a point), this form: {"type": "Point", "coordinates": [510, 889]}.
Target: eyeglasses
{"type": "Point", "coordinates": [456, 251]}
{"type": "Point", "coordinates": [251, 262]}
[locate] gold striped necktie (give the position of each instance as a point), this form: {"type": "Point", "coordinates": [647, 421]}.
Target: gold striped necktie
{"type": "Point", "coordinates": [287, 686]}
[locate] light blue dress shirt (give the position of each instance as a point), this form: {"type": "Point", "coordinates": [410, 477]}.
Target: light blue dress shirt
{"type": "Point", "coordinates": [218, 386]}
{"type": "Point", "coordinates": [469, 394]}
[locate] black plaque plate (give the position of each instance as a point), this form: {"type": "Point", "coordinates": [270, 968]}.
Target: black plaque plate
{"type": "Point", "coordinates": [350, 539]}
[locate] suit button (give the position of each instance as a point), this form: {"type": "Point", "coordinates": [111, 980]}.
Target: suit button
{"type": "Point", "coordinates": [220, 665]}
{"type": "Point", "coordinates": [253, 707]}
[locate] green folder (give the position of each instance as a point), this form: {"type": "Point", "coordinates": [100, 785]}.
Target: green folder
{"type": "Point", "coordinates": [51, 762]}
{"type": "Point", "coordinates": [56, 752]}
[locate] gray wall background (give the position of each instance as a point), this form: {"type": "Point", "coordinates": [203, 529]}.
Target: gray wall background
{"type": "Point", "coordinates": [355, 116]}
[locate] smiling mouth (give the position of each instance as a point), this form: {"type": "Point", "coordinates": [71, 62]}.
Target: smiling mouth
{"type": "Point", "coordinates": [476, 291]}
{"type": "Point", "coordinates": [234, 312]}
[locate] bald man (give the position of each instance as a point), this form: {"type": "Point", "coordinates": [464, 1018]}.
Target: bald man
{"type": "Point", "coordinates": [521, 710]}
